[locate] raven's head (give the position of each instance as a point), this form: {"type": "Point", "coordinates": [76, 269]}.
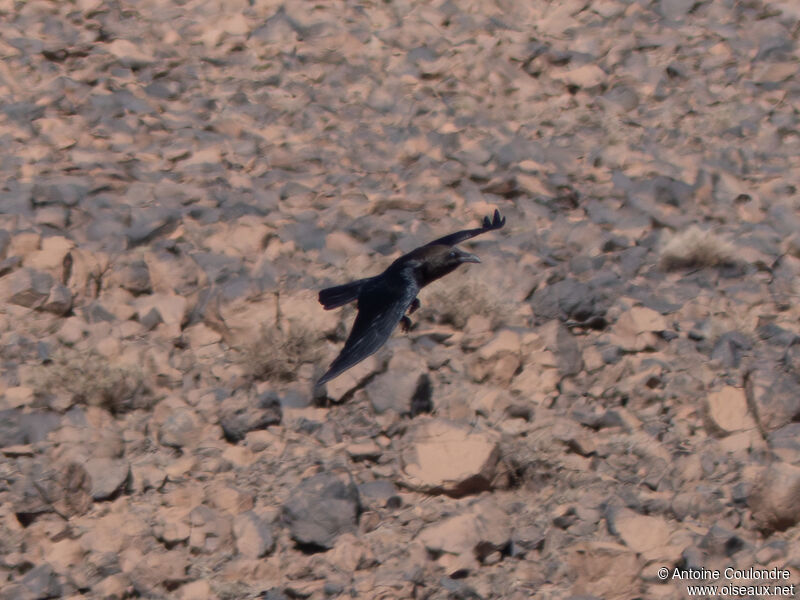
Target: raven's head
{"type": "Point", "coordinates": [429, 263]}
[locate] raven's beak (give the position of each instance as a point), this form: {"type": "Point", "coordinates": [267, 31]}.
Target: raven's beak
{"type": "Point", "coordinates": [467, 257]}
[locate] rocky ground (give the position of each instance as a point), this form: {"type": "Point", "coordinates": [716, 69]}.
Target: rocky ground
{"type": "Point", "coordinates": [615, 389]}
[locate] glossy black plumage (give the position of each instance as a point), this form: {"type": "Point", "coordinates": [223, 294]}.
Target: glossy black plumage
{"type": "Point", "coordinates": [384, 299]}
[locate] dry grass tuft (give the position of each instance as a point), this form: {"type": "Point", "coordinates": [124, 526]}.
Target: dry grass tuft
{"type": "Point", "coordinates": [695, 248]}
{"type": "Point", "coordinates": [88, 378]}
{"type": "Point", "coordinates": [277, 354]}
{"type": "Point", "coordinates": [455, 304]}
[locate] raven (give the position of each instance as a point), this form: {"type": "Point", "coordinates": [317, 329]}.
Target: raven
{"type": "Point", "coordinates": [384, 299]}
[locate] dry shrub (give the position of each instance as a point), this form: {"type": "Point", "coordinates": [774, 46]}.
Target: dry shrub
{"type": "Point", "coordinates": [454, 304]}
{"type": "Point", "coordinates": [695, 248]}
{"type": "Point", "coordinates": [88, 378]}
{"type": "Point", "coordinates": [277, 352]}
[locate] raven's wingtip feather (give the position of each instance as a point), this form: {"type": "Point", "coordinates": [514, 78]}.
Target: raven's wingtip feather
{"type": "Point", "coordinates": [496, 222]}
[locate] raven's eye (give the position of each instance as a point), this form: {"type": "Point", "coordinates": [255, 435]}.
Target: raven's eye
{"type": "Point", "coordinates": [453, 254]}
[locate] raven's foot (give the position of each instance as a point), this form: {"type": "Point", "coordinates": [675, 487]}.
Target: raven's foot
{"type": "Point", "coordinates": [415, 304]}
{"type": "Point", "coordinates": [405, 324]}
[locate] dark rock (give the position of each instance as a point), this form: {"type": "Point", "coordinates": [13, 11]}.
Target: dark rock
{"type": "Point", "coordinates": [10, 264]}
{"type": "Point", "coordinates": [730, 347]}
{"type": "Point", "coordinates": [94, 312]}
{"type": "Point", "coordinates": [17, 427]}
{"type": "Point", "coordinates": [68, 191]}
{"type": "Point", "coordinates": [240, 417]}
{"type": "Point", "coordinates": [152, 225]}
{"type": "Point", "coordinates": [776, 335]}
{"type": "Point", "coordinates": [422, 398]}
{"type": "Point", "coordinates": [569, 299]}
{"type": "Point", "coordinates": [42, 582]}
{"type": "Point", "coordinates": [66, 491]}
{"type": "Point", "coordinates": [59, 302]}
{"type": "Point", "coordinates": [151, 319]}
{"type": "Point", "coordinates": [135, 277]}
{"type": "Point", "coordinates": [5, 243]}
{"type": "Point", "coordinates": [720, 541]}
{"type": "Point", "coordinates": [30, 288]}
{"type": "Point", "coordinates": [321, 508]}
{"type": "Point", "coordinates": [772, 394]}
{"type": "Point", "coordinates": [611, 354]}
{"type": "Point", "coordinates": [570, 360]}
{"type": "Point", "coordinates": [273, 594]}
{"type": "Point", "coordinates": [393, 390]}
{"type": "Point", "coordinates": [376, 494]}
{"type": "Point", "coordinates": [786, 438]}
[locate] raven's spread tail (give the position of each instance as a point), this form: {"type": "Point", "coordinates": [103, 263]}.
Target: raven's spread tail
{"type": "Point", "coordinates": [339, 295]}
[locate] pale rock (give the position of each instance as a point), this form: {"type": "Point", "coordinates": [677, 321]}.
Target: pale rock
{"type": "Point", "coordinates": [109, 476]}
{"type": "Point", "coordinates": [604, 570]}
{"type": "Point", "coordinates": [449, 457]}
{"type": "Point", "coordinates": [24, 244]}
{"type": "Point", "coordinates": [200, 335]}
{"type": "Point", "coordinates": [361, 451]}
{"type": "Point", "coordinates": [339, 386]}
{"type": "Point", "coordinates": [350, 554]}
{"type": "Point", "coordinates": [586, 76]}
{"type": "Point", "coordinates": [130, 54]}
{"type": "Point", "coordinates": [775, 497]}
{"type": "Point", "coordinates": [471, 536]}
{"type": "Point", "coordinates": [147, 476]}
{"type": "Point", "coordinates": [229, 499]}
{"type": "Point", "coordinates": [117, 585]}
{"type": "Point", "coordinates": [635, 329]}
{"type": "Point", "coordinates": [641, 533]}
{"type": "Point", "coordinates": [172, 525]}
{"type": "Point", "coordinates": [54, 216]}
{"type": "Point", "coordinates": [210, 531]}
{"type": "Point", "coordinates": [72, 331]}
{"type": "Point", "coordinates": [171, 310]}
{"type": "Point", "coordinates": [535, 381]}
{"type": "Point", "coordinates": [506, 341]}
{"type": "Point", "coordinates": [157, 569]}
{"type": "Point", "coordinates": [19, 396]}
{"type": "Point", "coordinates": [253, 535]}
{"type": "Point", "coordinates": [180, 428]}
{"type": "Point", "coordinates": [246, 238]}
{"type": "Point", "coordinates": [197, 590]}
{"type": "Point", "coordinates": [727, 411]}
{"type": "Point", "coordinates": [65, 554]}
{"type": "Point", "coordinates": [50, 257]}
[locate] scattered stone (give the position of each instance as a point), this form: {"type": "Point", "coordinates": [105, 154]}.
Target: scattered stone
{"type": "Point", "coordinates": [775, 497]}
{"type": "Point", "coordinates": [464, 541]}
{"type": "Point", "coordinates": [727, 411]}
{"type": "Point", "coordinates": [29, 288]}
{"type": "Point", "coordinates": [321, 508]}
{"type": "Point", "coordinates": [253, 535]}
{"type": "Point", "coordinates": [447, 458]}
{"type": "Point", "coordinates": [180, 428]}
{"type": "Point", "coordinates": [239, 416]}
{"type": "Point", "coordinates": [640, 533]}
{"type": "Point", "coordinates": [109, 477]}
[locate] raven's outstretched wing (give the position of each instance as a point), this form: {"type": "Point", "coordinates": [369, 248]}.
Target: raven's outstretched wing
{"type": "Point", "coordinates": [381, 305]}
{"type": "Point", "coordinates": [459, 236]}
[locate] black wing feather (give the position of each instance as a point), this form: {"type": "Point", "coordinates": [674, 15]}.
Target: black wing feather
{"type": "Point", "coordinates": [459, 236]}
{"type": "Point", "coordinates": [381, 305]}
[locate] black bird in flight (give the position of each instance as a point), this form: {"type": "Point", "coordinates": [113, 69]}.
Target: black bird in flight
{"type": "Point", "coordinates": [384, 299]}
